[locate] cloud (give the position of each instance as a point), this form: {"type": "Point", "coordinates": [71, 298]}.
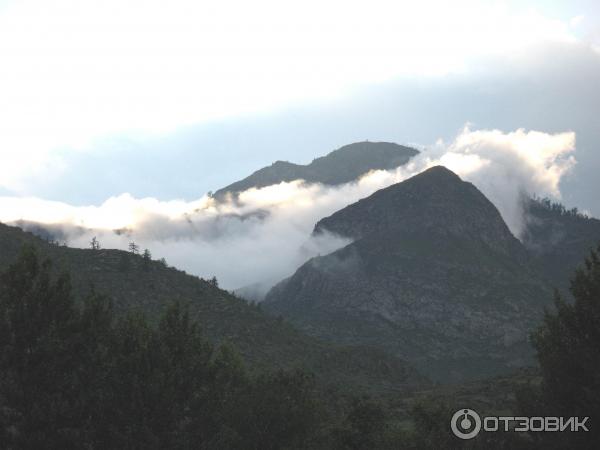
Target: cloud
{"type": "Point", "coordinates": [74, 72]}
{"type": "Point", "coordinates": [506, 166]}
{"type": "Point", "coordinates": [267, 236]}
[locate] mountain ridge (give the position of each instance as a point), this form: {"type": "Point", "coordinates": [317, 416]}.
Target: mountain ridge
{"type": "Point", "coordinates": [340, 166]}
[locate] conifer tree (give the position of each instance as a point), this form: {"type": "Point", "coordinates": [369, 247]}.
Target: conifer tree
{"type": "Point", "coordinates": [134, 248]}
{"type": "Point", "coordinates": [568, 351]}
{"type": "Point", "coordinates": [94, 244]}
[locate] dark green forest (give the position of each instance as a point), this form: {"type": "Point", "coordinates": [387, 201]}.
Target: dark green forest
{"type": "Point", "coordinates": [75, 375]}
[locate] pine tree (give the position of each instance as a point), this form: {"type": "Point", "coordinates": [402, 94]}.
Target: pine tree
{"type": "Point", "coordinates": [568, 350]}
{"type": "Point", "coordinates": [73, 376]}
{"type": "Point", "coordinates": [94, 244]}
{"type": "Point", "coordinates": [147, 259]}
{"type": "Point", "coordinates": [134, 248]}
{"type": "Point", "coordinates": [46, 357]}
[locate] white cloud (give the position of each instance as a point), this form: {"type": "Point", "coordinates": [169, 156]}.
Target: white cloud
{"type": "Point", "coordinates": [72, 71]}
{"type": "Point", "coordinates": [506, 165]}
{"type": "Point", "coordinates": [576, 21]}
{"type": "Point", "coordinates": [267, 237]}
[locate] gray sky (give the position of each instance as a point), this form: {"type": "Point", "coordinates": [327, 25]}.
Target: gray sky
{"type": "Point", "coordinates": [104, 98]}
{"type": "Point", "coordinates": [559, 91]}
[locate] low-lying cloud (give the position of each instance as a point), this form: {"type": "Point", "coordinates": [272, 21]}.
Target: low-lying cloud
{"type": "Point", "coordinates": [266, 235]}
{"type": "Point", "coordinates": [506, 166]}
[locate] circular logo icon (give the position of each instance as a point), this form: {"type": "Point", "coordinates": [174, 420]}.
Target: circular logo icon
{"type": "Point", "coordinates": [465, 424]}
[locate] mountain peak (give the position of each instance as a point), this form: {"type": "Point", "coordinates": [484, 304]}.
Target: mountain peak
{"type": "Point", "coordinates": [433, 202]}
{"type": "Point", "coordinates": [343, 165]}
{"type": "Point", "coordinates": [433, 275]}
{"type": "Point", "coordinates": [440, 172]}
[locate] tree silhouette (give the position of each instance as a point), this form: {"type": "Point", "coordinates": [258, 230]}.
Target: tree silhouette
{"type": "Point", "coordinates": [94, 244]}
{"type": "Point", "coordinates": [74, 375]}
{"type": "Point", "coordinates": [49, 350]}
{"type": "Point", "coordinates": [134, 248]}
{"type": "Point", "coordinates": [147, 258]}
{"type": "Point", "coordinates": [568, 350]}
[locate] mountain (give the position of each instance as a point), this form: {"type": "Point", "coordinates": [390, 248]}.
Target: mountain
{"type": "Point", "coordinates": [558, 239]}
{"type": "Point", "coordinates": [135, 284]}
{"type": "Point", "coordinates": [433, 275]}
{"type": "Point", "coordinates": [343, 165]}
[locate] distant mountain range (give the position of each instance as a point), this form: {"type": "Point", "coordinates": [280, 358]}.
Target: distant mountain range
{"type": "Point", "coordinates": [433, 274]}
{"type": "Point", "coordinates": [343, 165]}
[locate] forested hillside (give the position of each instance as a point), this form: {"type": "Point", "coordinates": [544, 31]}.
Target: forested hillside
{"type": "Point", "coordinates": [134, 283]}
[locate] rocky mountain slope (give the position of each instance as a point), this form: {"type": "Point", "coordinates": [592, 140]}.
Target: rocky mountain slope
{"type": "Point", "coordinates": [433, 275]}
{"type": "Point", "coordinates": [264, 341]}
{"type": "Point", "coordinates": [343, 165]}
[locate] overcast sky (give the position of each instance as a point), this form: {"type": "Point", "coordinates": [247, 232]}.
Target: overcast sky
{"type": "Point", "coordinates": [171, 100]}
